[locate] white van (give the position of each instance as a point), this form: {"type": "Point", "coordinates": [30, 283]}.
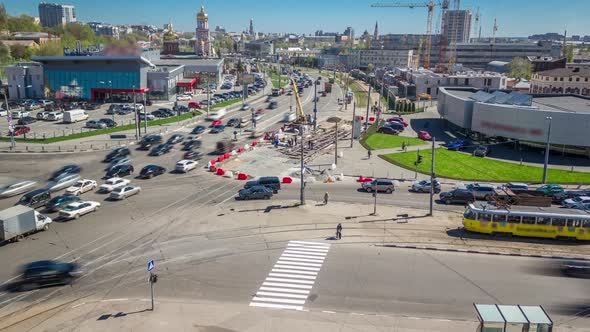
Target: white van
{"type": "Point", "coordinates": [75, 116]}
{"type": "Point", "coordinates": [216, 114]}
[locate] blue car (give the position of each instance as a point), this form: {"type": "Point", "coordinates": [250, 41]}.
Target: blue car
{"type": "Point", "coordinates": [456, 145]}
{"type": "Point", "coordinates": [59, 201]}
{"type": "Point", "coordinates": [217, 129]}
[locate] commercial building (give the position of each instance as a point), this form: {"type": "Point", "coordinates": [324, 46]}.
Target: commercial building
{"type": "Point", "coordinates": [361, 58]}
{"type": "Point", "coordinates": [196, 72]}
{"type": "Point", "coordinates": [519, 117]}
{"type": "Point", "coordinates": [25, 80]}
{"type": "Point", "coordinates": [541, 63]}
{"type": "Point", "coordinates": [574, 80]}
{"type": "Point", "coordinates": [53, 14]}
{"type": "Point", "coordinates": [457, 26]}
{"type": "Point", "coordinates": [478, 55]}
{"type": "Point", "coordinates": [260, 48]}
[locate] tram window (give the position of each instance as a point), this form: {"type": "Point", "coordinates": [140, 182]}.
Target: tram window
{"type": "Point", "coordinates": [484, 217]}
{"type": "Point", "coordinates": [499, 217]}
{"type": "Point", "coordinates": [574, 223]}
{"type": "Point", "coordinates": [558, 222]}
{"type": "Point", "coordinates": [586, 223]}
{"type": "Point", "coordinates": [528, 220]}
{"type": "Point", "coordinates": [543, 221]}
{"type": "Point", "coordinates": [469, 214]}
{"type": "Point", "coordinates": [514, 219]}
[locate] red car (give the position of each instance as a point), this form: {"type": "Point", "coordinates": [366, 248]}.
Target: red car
{"type": "Point", "coordinates": [260, 111]}
{"type": "Point", "coordinates": [423, 134]}
{"type": "Point", "coordinates": [216, 123]}
{"type": "Point", "coordinates": [21, 130]}
{"type": "Point", "coordinates": [395, 118]}
{"type": "Point", "coordinates": [192, 104]}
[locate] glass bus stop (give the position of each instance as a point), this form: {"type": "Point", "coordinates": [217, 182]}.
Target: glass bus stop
{"type": "Point", "coordinates": [512, 318]}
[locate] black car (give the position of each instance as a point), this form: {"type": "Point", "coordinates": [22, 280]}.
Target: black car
{"type": "Point", "coordinates": [190, 145]}
{"type": "Point", "coordinates": [47, 273]}
{"type": "Point", "coordinates": [36, 198]}
{"type": "Point", "coordinates": [108, 122]}
{"type": "Point", "coordinates": [58, 201]}
{"type": "Point", "coordinates": [176, 138]}
{"type": "Point", "coordinates": [233, 122]}
{"type": "Point", "coordinates": [160, 149]}
{"type": "Point", "coordinates": [166, 111]}
{"type": "Point", "coordinates": [160, 114]}
{"type": "Point", "coordinates": [116, 154]}
{"type": "Point", "coordinates": [119, 171]}
{"type": "Point", "coordinates": [91, 106]}
{"type": "Point", "coordinates": [193, 155]}
{"type": "Point", "coordinates": [394, 125]}
{"type": "Point", "coordinates": [148, 103]}
{"type": "Point", "coordinates": [68, 169]}
{"type": "Point", "coordinates": [181, 109]}
{"type": "Point", "coordinates": [26, 120]}
{"type": "Point", "coordinates": [388, 130]}
{"type": "Point", "coordinates": [150, 171]}
{"type": "Point", "coordinates": [482, 151]}
{"type": "Point", "coordinates": [148, 141]}
{"type": "Point", "coordinates": [462, 196]}
{"type": "Point", "coordinates": [271, 182]}
{"type": "Point", "coordinates": [198, 130]}
{"type": "Point", "coordinates": [576, 269]}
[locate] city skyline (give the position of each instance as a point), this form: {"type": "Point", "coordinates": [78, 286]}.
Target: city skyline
{"type": "Point", "coordinates": [270, 17]}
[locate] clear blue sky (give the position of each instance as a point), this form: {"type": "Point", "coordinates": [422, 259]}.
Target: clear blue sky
{"type": "Point", "coordinates": [515, 17]}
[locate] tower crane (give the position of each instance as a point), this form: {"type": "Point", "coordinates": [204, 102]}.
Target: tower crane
{"type": "Point", "coordinates": [494, 29]}
{"type": "Point", "coordinates": [430, 7]}
{"type": "Point", "coordinates": [476, 24]}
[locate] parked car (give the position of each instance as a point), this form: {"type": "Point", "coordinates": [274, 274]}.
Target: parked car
{"type": "Point", "coordinates": [81, 187]}
{"type": "Point", "coordinates": [58, 201]}
{"type": "Point", "coordinates": [19, 114]}
{"type": "Point", "coordinates": [119, 171]}
{"type": "Point", "coordinates": [423, 134]}
{"type": "Point", "coordinates": [183, 98]}
{"type": "Point", "coordinates": [550, 189]}
{"type": "Point", "coordinates": [576, 202]}
{"type": "Point", "coordinates": [55, 116]}
{"type": "Point", "coordinates": [20, 130]}
{"type": "Point", "coordinates": [117, 153]}
{"type": "Point", "coordinates": [124, 192]}
{"type": "Point", "coordinates": [456, 145]}
{"type": "Point", "coordinates": [108, 122]}
{"type": "Point", "coordinates": [91, 106]}
{"type": "Point", "coordinates": [43, 115]}
{"type": "Point", "coordinates": [193, 155]}
{"type": "Point", "coordinates": [150, 171]}
{"type": "Point", "coordinates": [181, 109]}
{"type": "Point", "coordinates": [77, 209]}
{"type": "Point", "coordinates": [47, 273]}
{"type": "Point", "coordinates": [112, 184]}
{"type": "Point", "coordinates": [4, 112]}
{"type": "Point", "coordinates": [399, 120]}
{"type": "Point", "coordinates": [388, 130]}
{"type": "Point", "coordinates": [271, 182]}
{"type": "Point", "coordinates": [482, 151]}
{"type": "Point", "coordinates": [482, 190]}
{"type": "Point", "coordinates": [17, 188]}
{"type": "Point", "coordinates": [185, 165]}
{"type": "Point", "coordinates": [462, 196]}
{"type": "Point", "coordinates": [255, 192]}
{"type": "Point", "coordinates": [146, 116]}
{"type": "Point", "coordinates": [424, 186]}
{"type": "Point", "coordinates": [559, 198]}
{"type": "Point", "coordinates": [35, 198]}
{"type": "Point", "coordinates": [380, 185]}
{"type": "Point", "coordinates": [95, 124]}
{"type": "Point", "coordinates": [194, 105]}
{"type": "Point", "coordinates": [394, 125]}
{"type": "Point", "coordinates": [26, 120]}
{"type": "Point", "coordinates": [160, 149]}
{"type": "Point", "coordinates": [176, 138]}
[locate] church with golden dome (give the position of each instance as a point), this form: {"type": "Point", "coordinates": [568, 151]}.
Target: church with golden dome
{"type": "Point", "coordinates": [203, 42]}
{"type": "Point", "coordinates": [171, 40]}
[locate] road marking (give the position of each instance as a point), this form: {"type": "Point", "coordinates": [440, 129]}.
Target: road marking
{"type": "Point", "coordinates": [292, 277]}
{"type": "Point", "coordinates": [328, 312]}
{"type": "Point", "coordinates": [114, 300]}
{"type": "Point", "coordinates": [78, 305]}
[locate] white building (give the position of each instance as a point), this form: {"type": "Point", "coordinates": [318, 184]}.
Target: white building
{"type": "Point", "coordinates": [575, 80]}
{"type": "Point", "coordinates": [25, 80]}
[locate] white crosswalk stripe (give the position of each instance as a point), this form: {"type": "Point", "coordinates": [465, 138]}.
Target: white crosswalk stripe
{"type": "Point", "coordinates": [292, 277]}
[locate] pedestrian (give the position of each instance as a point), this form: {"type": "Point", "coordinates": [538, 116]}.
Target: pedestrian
{"type": "Point", "coordinates": [339, 231]}
{"type": "Point", "coordinates": [369, 153]}
{"type": "Point", "coordinates": [326, 198]}
{"type": "Point", "coordinates": [403, 146]}
{"type": "Point", "coordinates": [309, 145]}
{"type": "Point", "coordinates": [312, 145]}
{"type": "Point", "coordinates": [295, 142]}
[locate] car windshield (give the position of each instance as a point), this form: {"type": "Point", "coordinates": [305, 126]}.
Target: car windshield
{"type": "Point", "coordinates": [78, 185]}
{"type": "Point", "coordinates": [72, 208]}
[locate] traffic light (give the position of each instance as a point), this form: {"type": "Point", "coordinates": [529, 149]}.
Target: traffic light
{"type": "Point", "coordinates": [419, 159]}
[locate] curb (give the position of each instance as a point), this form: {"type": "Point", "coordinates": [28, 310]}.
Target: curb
{"type": "Point", "coordinates": [481, 252]}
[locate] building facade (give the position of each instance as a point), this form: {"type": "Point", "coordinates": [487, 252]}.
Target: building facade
{"type": "Point", "coordinates": [260, 48]}
{"type": "Point", "coordinates": [53, 14]}
{"type": "Point", "coordinates": [478, 55]}
{"type": "Point", "coordinates": [573, 80]}
{"type": "Point", "coordinates": [546, 63]}
{"type": "Point", "coordinates": [25, 80]}
{"type": "Point", "coordinates": [457, 26]}
{"type": "Point", "coordinates": [203, 42]}
{"type": "Point", "coordinates": [103, 29]}
{"type": "Point", "coordinates": [361, 58]}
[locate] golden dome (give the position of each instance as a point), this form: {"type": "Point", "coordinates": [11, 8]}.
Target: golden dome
{"type": "Point", "coordinates": [202, 13]}
{"type": "Point", "coordinates": [170, 34]}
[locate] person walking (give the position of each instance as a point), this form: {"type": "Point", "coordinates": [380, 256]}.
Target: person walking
{"type": "Point", "coordinates": [326, 196]}
{"type": "Point", "coordinates": [369, 153]}
{"type": "Point", "coordinates": [404, 146]}
{"type": "Point", "coordinates": [339, 231]}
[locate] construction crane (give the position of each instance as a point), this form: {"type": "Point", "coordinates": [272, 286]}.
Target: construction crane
{"type": "Point", "coordinates": [494, 29]}
{"type": "Point", "coordinates": [476, 23]}
{"type": "Point", "coordinates": [430, 7]}
{"type": "Point", "coordinates": [301, 119]}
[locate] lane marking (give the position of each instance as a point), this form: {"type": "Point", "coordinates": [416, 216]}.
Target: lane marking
{"type": "Point", "coordinates": [295, 281]}
{"type": "Point", "coordinates": [298, 263]}
{"type": "Point", "coordinates": [284, 290]}
{"type": "Point", "coordinates": [293, 259]}
{"type": "Point", "coordinates": [317, 259]}
{"type": "Point", "coordinates": [295, 272]}
{"type": "Point", "coordinates": [277, 306]}
{"type": "Point", "coordinates": [287, 275]}
{"type": "Point", "coordinates": [285, 266]}
{"type": "Point", "coordinates": [294, 296]}
{"type": "Point", "coordinates": [311, 243]}
{"type": "Point", "coordinates": [282, 284]}
{"type": "Point", "coordinates": [270, 299]}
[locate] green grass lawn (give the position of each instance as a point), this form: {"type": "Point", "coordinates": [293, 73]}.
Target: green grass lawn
{"type": "Point", "coordinates": [457, 165]}
{"type": "Point", "coordinates": [227, 103]}
{"type": "Point", "coordinates": [379, 141]}
{"type": "Point", "coordinates": [157, 122]}
{"type": "Point", "coordinates": [275, 80]}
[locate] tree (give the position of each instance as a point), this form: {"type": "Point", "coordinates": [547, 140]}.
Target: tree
{"type": "Point", "coordinates": [240, 66]}
{"type": "Point", "coordinates": [370, 67]}
{"type": "Point", "coordinates": [22, 23]}
{"type": "Point", "coordinates": [413, 107]}
{"type": "Point", "coordinates": [4, 53]}
{"type": "Point", "coordinates": [49, 49]}
{"type": "Point", "coordinates": [3, 17]}
{"type": "Point", "coordinates": [569, 53]}
{"type": "Point", "coordinates": [18, 51]}
{"type": "Point", "coordinates": [520, 68]}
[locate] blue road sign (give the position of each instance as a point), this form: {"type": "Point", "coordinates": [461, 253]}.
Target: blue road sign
{"type": "Point", "coordinates": [151, 265]}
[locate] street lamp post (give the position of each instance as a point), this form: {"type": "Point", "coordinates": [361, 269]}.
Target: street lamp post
{"type": "Point", "coordinates": [302, 187]}
{"type": "Point", "coordinates": [9, 118]}
{"type": "Point", "coordinates": [315, 104]}
{"type": "Point", "coordinates": [335, 120]}
{"type": "Point", "coordinates": [547, 150]}
{"type": "Point", "coordinates": [135, 112]}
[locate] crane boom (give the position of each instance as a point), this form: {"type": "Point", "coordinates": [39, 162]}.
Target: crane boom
{"type": "Point", "coordinates": [300, 114]}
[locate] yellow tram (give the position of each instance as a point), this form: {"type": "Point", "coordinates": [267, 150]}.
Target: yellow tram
{"type": "Point", "coordinates": [544, 222]}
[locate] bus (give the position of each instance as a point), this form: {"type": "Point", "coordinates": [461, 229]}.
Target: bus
{"type": "Point", "coordinates": [528, 221]}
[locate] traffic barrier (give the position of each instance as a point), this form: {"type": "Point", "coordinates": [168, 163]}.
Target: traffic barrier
{"type": "Point", "coordinates": [367, 180]}
{"type": "Point", "coordinates": [246, 147]}
{"type": "Point", "coordinates": [242, 176]}
{"type": "Point", "coordinates": [220, 171]}
{"type": "Point", "coordinates": [361, 178]}
{"type": "Point", "coordinates": [226, 155]}
{"type": "Point", "coordinates": [362, 118]}
{"type": "Point", "coordinates": [212, 162]}
{"type": "Point", "coordinates": [228, 174]}
{"type": "Point", "coordinates": [212, 169]}
{"type": "Point", "coordinates": [371, 118]}
{"type": "Point", "coordinates": [287, 179]}
{"type": "Point", "coordinates": [220, 158]}
{"type": "Point", "coordinates": [254, 143]}
{"type": "Point", "coordinates": [240, 150]}
{"type": "Point", "coordinates": [233, 152]}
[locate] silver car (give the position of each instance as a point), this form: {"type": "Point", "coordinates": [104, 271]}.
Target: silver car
{"type": "Point", "coordinates": [124, 192]}
{"type": "Point", "coordinates": [17, 188]}
{"type": "Point", "coordinates": [424, 186]}
{"type": "Point", "coordinates": [382, 185]}
{"type": "Point", "coordinates": [63, 182]}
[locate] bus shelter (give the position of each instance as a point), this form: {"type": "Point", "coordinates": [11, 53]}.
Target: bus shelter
{"type": "Point", "coordinates": [512, 318]}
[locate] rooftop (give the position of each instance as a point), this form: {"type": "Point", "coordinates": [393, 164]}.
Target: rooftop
{"type": "Point", "coordinates": [188, 61]}
{"type": "Point", "coordinates": [566, 72]}
{"type": "Point", "coordinates": [82, 58]}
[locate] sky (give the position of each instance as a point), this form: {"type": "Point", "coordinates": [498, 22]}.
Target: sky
{"type": "Point", "coordinates": [514, 17]}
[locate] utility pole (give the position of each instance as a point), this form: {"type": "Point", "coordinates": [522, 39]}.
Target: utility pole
{"type": "Point", "coordinates": [336, 146]}
{"type": "Point", "coordinates": [417, 162]}
{"type": "Point", "coordinates": [432, 177]}
{"type": "Point", "coordinates": [135, 112]}
{"type": "Point", "coordinates": [9, 118]}
{"type": "Point", "coordinates": [368, 105]}
{"type": "Point", "coordinates": [145, 114]}
{"type": "Point", "coordinates": [375, 199]}
{"type": "Point", "coordinates": [346, 92]}
{"type": "Point", "coordinates": [315, 104]}
{"type": "Point", "coordinates": [352, 130]}
{"type": "Point", "coordinates": [208, 90]}
{"type": "Point", "coordinates": [547, 145]}
{"type": "Point", "coordinates": [302, 187]}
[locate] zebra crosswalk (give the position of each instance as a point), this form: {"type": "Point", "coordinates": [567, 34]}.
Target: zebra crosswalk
{"type": "Point", "coordinates": [291, 279]}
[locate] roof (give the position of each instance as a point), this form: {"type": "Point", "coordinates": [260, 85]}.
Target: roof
{"type": "Point", "coordinates": [189, 61]}
{"type": "Point", "coordinates": [82, 58]}
{"type": "Point", "coordinates": [566, 72]}
{"type": "Point", "coordinates": [13, 211]}
{"type": "Point", "coordinates": [26, 43]}
{"type": "Point", "coordinates": [515, 314]}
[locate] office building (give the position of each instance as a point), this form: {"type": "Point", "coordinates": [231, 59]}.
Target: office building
{"type": "Point", "coordinates": [478, 55]}
{"type": "Point", "coordinates": [572, 80]}
{"type": "Point", "coordinates": [103, 29]}
{"type": "Point", "coordinates": [349, 33]}
{"type": "Point", "coordinates": [457, 26]}
{"type": "Point", "coordinates": [53, 14]}
{"type": "Point", "coordinates": [25, 80]}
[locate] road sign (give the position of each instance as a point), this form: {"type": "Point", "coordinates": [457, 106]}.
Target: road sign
{"type": "Point", "coordinates": [151, 265]}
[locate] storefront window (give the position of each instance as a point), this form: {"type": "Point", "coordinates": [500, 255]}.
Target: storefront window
{"type": "Point", "coordinates": [80, 84]}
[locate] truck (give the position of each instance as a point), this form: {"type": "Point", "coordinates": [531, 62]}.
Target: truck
{"type": "Point", "coordinates": [224, 146]}
{"type": "Point", "coordinates": [328, 87]}
{"type": "Point", "coordinates": [75, 116]}
{"type": "Point", "coordinates": [19, 221]}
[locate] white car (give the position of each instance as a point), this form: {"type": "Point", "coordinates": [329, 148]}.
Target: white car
{"type": "Point", "coordinates": [76, 209]}
{"type": "Point", "coordinates": [81, 187]}
{"type": "Point", "coordinates": [139, 107]}
{"type": "Point", "coordinates": [183, 97]}
{"type": "Point", "coordinates": [55, 116]}
{"type": "Point", "coordinates": [3, 112]}
{"type": "Point", "coordinates": [124, 192]}
{"type": "Point", "coordinates": [143, 116]}
{"type": "Point", "coordinates": [577, 202]}
{"type": "Point", "coordinates": [19, 114]}
{"type": "Point", "coordinates": [185, 165]}
{"type": "Point", "coordinates": [113, 183]}
{"type": "Point", "coordinates": [43, 115]}
{"type": "Point", "coordinates": [245, 107]}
